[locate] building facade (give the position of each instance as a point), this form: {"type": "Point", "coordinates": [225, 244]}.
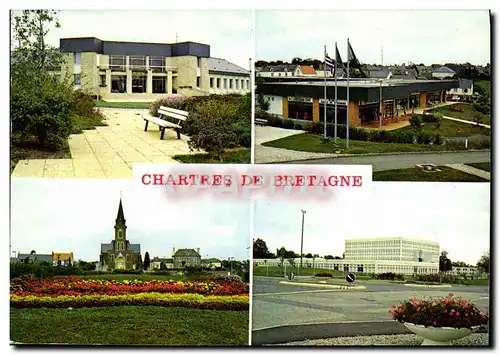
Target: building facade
{"type": "Point", "coordinates": [186, 257]}
{"type": "Point", "coordinates": [376, 255]}
{"type": "Point", "coordinates": [120, 254]}
{"type": "Point", "coordinates": [146, 71]}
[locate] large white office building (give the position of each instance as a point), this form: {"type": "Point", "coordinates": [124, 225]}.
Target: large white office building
{"type": "Point", "coordinates": [377, 255]}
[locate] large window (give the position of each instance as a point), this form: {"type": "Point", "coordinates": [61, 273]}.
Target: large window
{"type": "Point", "coordinates": [198, 81]}
{"type": "Point", "coordinates": [218, 83]}
{"type": "Point", "coordinates": [157, 64]}
{"type": "Point", "coordinates": [78, 58]}
{"type": "Point", "coordinates": [118, 84]}
{"type": "Point", "coordinates": [139, 83]}
{"type": "Point", "coordinates": [159, 85]}
{"type": "Point", "coordinates": [77, 80]}
{"type": "Point", "coordinates": [211, 82]}
{"type": "Point", "coordinates": [117, 62]}
{"type": "Point", "coordinates": [137, 63]}
{"type": "Point", "coordinates": [102, 80]}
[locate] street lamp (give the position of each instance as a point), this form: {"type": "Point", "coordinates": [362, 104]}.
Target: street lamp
{"type": "Point", "coordinates": [380, 107]}
{"type": "Point", "coordinates": [302, 238]}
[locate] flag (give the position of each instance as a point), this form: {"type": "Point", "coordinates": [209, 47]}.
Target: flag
{"type": "Point", "coordinates": [329, 64]}
{"type": "Point", "coordinates": [353, 61]}
{"type": "Point", "coordinates": [338, 60]}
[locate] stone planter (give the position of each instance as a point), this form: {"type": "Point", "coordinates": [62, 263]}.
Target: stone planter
{"type": "Point", "coordinates": [439, 336]}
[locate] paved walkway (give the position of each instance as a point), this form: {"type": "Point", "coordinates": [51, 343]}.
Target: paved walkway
{"type": "Point", "coordinates": [465, 121]}
{"type": "Point", "coordinates": [265, 154]}
{"type": "Point", "coordinates": [470, 170]}
{"type": "Point", "coordinates": [110, 151]}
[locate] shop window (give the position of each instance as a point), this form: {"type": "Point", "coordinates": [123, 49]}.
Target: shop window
{"type": "Point", "coordinates": [139, 84]}
{"type": "Point", "coordinates": [118, 84]}
{"type": "Point", "coordinates": [159, 83]}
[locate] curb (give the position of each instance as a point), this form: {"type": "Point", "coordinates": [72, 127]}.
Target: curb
{"type": "Point", "coordinates": [377, 154]}
{"type": "Point", "coordinates": [339, 287]}
{"type": "Point", "coordinates": [427, 286]}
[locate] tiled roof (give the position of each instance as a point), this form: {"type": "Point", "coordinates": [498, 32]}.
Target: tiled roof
{"type": "Point", "coordinates": [222, 65]}
{"type": "Point", "coordinates": [105, 247]}
{"type": "Point", "coordinates": [444, 70]}
{"type": "Point", "coordinates": [136, 248]}
{"type": "Point", "coordinates": [163, 260]}
{"type": "Point", "coordinates": [186, 252]}
{"type": "Point", "coordinates": [278, 68]}
{"type": "Point", "coordinates": [305, 69]}
{"type": "Point", "coordinates": [211, 260]}
{"type": "Point", "coordinates": [36, 257]}
{"type": "Point", "coordinates": [380, 74]}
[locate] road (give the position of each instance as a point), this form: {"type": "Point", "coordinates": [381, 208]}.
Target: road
{"type": "Point", "coordinates": [402, 161]}
{"type": "Point", "coordinates": [275, 304]}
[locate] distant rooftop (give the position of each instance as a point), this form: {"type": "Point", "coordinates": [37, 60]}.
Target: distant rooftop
{"type": "Point", "coordinates": [224, 66]}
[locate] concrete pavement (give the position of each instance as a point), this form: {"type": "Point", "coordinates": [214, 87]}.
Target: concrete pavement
{"type": "Point", "coordinates": [109, 151]}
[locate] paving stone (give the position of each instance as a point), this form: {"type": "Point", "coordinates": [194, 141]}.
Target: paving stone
{"type": "Point", "coordinates": [29, 168]}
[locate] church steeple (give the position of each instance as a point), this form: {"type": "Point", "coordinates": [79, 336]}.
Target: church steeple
{"type": "Point", "coordinates": [120, 218]}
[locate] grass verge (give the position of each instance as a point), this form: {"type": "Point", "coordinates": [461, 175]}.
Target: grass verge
{"type": "Point", "coordinates": [131, 105]}
{"type": "Point", "coordinates": [469, 113]}
{"type": "Point", "coordinates": [237, 156]}
{"type": "Point", "coordinates": [486, 166]}
{"type": "Point", "coordinates": [309, 142]}
{"type": "Point", "coordinates": [81, 123]}
{"type": "Point", "coordinates": [415, 174]}
{"type": "Point", "coordinates": [451, 128]}
{"type": "Point", "coordinates": [129, 325]}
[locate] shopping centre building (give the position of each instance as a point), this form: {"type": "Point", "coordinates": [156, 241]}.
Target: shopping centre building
{"type": "Point", "coordinates": [376, 255]}
{"type": "Point", "coordinates": [147, 71]}
{"type": "Point", "coordinates": [303, 99]}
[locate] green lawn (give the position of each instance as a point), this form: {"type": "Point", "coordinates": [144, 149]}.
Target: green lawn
{"type": "Point", "coordinates": [309, 142]}
{"type": "Point", "coordinates": [129, 325]}
{"type": "Point", "coordinates": [483, 166]}
{"type": "Point", "coordinates": [450, 128]}
{"type": "Point", "coordinates": [415, 174]}
{"type": "Point", "coordinates": [81, 123]}
{"type": "Point", "coordinates": [132, 105]}
{"type": "Point", "coordinates": [239, 156]}
{"type": "Point", "coordinates": [469, 113]}
{"type": "Point", "coordinates": [275, 271]}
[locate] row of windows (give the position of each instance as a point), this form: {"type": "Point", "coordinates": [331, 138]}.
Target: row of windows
{"type": "Point", "coordinates": [139, 84]}
{"type": "Point", "coordinates": [119, 61]}
{"type": "Point", "coordinates": [237, 84]}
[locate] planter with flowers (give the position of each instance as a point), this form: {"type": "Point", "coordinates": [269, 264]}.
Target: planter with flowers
{"type": "Point", "coordinates": [439, 320]}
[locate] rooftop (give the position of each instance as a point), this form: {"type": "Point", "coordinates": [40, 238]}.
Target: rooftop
{"type": "Point", "coordinates": [222, 65]}
{"type": "Point", "coordinates": [363, 83]}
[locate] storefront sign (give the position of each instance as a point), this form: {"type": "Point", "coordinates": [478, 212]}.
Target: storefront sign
{"type": "Point", "coordinates": [332, 102]}
{"type": "Point", "coordinates": [300, 99]}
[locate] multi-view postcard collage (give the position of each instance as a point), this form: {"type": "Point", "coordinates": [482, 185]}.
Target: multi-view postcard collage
{"type": "Point", "coordinates": [260, 178]}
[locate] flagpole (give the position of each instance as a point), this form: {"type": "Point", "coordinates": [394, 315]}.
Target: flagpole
{"type": "Point", "coordinates": [347, 126]}
{"type": "Point", "coordinates": [335, 74]}
{"type": "Point", "coordinates": [324, 103]}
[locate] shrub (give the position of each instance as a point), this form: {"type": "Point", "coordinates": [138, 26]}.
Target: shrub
{"type": "Point", "coordinates": [41, 107]}
{"type": "Point", "coordinates": [449, 311]}
{"type": "Point", "coordinates": [416, 121]}
{"type": "Point", "coordinates": [288, 124]}
{"type": "Point", "coordinates": [438, 140]}
{"type": "Point", "coordinates": [323, 274]}
{"type": "Point", "coordinates": [312, 126]}
{"type": "Point", "coordinates": [424, 138]}
{"type": "Point", "coordinates": [455, 144]}
{"type": "Point", "coordinates": [479, 142]}
{"type": "Point", "coordinates": [82, 103]}
{"type": "Point", "coordinates": [386, 276]}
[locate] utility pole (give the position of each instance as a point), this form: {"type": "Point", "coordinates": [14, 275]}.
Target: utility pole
{"type": "Point", "coordinates": [302, 237]}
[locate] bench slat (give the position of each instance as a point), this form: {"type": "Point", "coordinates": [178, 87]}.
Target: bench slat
{"type": "Point", "coordinates": [173, 115]}
{"type": "Point", "coordinates": [174, 110]}
{"type": "Point", "coordinates": [160, 122]}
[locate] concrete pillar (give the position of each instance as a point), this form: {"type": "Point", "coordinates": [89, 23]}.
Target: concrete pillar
{"type": "Point", "coordinates": [108, 81]}
{"type": "Point", "coordinates": [423, 99]}
{"type": "Point", "coordinates": [353, 113]}
{"type": "Point", "coordinates": [129, 81]}
{"type": "Point", "coordinates": [316, 109]}
{"type": "Point", "coordinates": [169, 82]}
{"type": "Point", "coordinates": [284, 102]}
{"type": "Point", "coordinates": [149, 82]}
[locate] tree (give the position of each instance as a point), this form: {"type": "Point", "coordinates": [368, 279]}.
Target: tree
{"type": "Point", "coordinates": [163, 266]}
{"type": "Point", "coordinates": [69, 261]}
{"type": "Point", "coordinates": [484, 263]}
{"type": "Point", "coordinates": [147, 261]}
{"type": "Point", "coordinates": [308, 255]}
{"type": "Point", "coordinates": [260, 249]}
{"type": "Point", "coordinates": [444, 262]}
{"type": "Point", "coordinates": [328, 257]}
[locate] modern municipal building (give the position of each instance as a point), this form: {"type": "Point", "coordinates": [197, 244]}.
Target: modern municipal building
{"type": "Point", "coordinates": [147, 71]}
{"type": "Point", "coordinates": [377, 255]}
{"type": "Point", "coordinates": [303, 99]}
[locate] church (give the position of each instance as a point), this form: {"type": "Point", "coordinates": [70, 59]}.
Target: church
{"type": "Point", "coordinates": [120, 254]}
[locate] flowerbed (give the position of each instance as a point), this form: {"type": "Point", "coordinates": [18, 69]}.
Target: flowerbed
{"type": "Point", "coordinates": [72, 286]}
{"type": "Point", "coordinates": [236, 303]}
{"type": "Point", "coordinates": [453, 312]}
{"type": "Point", "coordinates": [28, 292]}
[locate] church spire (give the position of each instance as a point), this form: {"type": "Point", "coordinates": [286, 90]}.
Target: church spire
{"type": "Point", "coordinates": [120, 217]}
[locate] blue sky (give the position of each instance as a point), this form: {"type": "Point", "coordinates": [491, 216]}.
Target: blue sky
{"type": "Point", "coordinates": [456, 215]}
{"type": "Point", "coordinates": [228, 32]}
{"type": "Point", "coordinates": [78, 215]}
{"type": "Point", "coordinates": [420, 36]}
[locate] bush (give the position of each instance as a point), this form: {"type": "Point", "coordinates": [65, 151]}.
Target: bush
{"type": "Point", "coordinates": [323, 274]}
{"type": "Point", "coordinates": [479, 142]}
{"type": "Point", "coordinates": [386, 276]}
{"type": "Point", "coordinates": [41, 107]}
{"type": "Point", "coordinates": [82, 103]}
{"type": "Point", "coordinates": [416, 121]}
{"type": "Point", "coordinates": [313, 126]}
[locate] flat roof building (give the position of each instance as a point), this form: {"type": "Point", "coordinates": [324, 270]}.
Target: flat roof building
{"type": "Point", "coordinates": [147, 71]}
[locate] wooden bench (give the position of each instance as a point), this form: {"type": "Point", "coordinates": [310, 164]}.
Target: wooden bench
{"type": "Point", "coordinates": [260, 121]}
{"type": "Point", "coordinates": [178, 115]}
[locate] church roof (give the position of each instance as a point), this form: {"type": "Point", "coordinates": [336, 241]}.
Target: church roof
{"type": "Point", "coordinates": [186, 252]}
{"type": "Point", "coordinates": [136, 248]}
{"type": "Point", "coordinates": [106, 247]}
{"type": "Point", "coordinates": [120, 217]}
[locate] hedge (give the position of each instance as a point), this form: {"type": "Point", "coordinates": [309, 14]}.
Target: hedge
{"type": "Point", "coordinates": [236, 303]}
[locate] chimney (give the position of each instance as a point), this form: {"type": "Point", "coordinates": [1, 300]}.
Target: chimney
{"type": "Point", "coordinates": [173, 251]}
{"type": "Point", "coordinates": [198, 250]}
